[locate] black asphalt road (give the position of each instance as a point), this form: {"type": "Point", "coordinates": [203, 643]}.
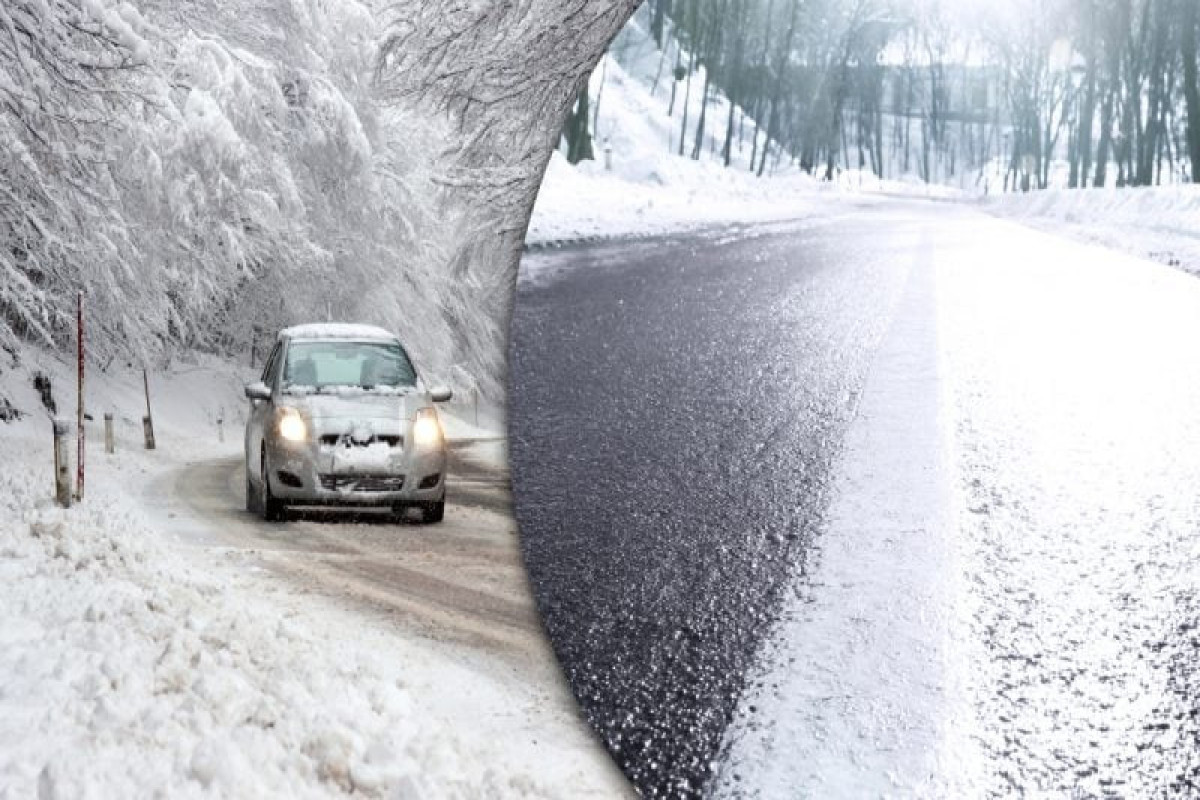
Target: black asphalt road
{"type": "Point", "coordinates": [675, 408]}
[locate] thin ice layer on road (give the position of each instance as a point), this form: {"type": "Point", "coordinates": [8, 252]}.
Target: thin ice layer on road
{"type": "Point", "coordinates": [1033, 629]}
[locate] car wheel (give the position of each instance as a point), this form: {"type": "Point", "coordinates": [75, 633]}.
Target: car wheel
{"type": "Point", "coordinates": [433, 512]}
{"type": "Point", "coordinates": [272, 508]}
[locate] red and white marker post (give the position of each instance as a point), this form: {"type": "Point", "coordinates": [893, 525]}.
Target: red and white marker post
{"type": "Point", "coordinates": [80, 434]}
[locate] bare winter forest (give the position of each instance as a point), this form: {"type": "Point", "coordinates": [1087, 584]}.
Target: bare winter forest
{"type": "Point", "coordinates": [994, 95]}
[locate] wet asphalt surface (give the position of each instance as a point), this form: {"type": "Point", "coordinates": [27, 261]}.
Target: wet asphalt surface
{"type": "Point", "coordinates": [675, 408]}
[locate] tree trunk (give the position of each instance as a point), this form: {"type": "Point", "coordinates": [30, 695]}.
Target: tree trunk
{"type": "Point", "coordinates": [712, 45]}
{"type": "Point", "coordinates": [759, 110]}
{"type": "Point", "coordinates": [674, 83]}
{"type": "Point", "coordinates": [777, 94]}
{"type": "Point", "coordinates": [661, 9]}
{"type": "Point", "coordinates": [1104, 146]}
{"type": "Point", "coordinates": [1191, 93]}
{"type": "Point", "coordinates": [687, 89]}
{"type": "Point", "coordinates": [733, 84]}
{"type": "Point", "coordinates": [579, 138]}
{"type": "Point", "coordinates": [698, 144]}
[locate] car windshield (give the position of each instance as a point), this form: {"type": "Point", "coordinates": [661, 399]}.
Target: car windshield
{"type": "Point", "coordinates": [334, 364]}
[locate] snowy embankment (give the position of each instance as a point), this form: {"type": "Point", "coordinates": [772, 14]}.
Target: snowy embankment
{"type": "Point", "coordinates": [587, 203]}
{"type": "Point", "coordinates": [134, 662]}
{"type": "Point", "coordinates": [128, 671]}
{"type": "Point", "coordinates": [1159, 223]}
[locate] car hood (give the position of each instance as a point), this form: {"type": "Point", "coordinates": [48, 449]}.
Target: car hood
{"type": "Point", "coordinates": [357, 406]}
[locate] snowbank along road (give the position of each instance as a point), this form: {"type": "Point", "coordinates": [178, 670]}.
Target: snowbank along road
{"type": "Point", "coordinates": [898, 502]}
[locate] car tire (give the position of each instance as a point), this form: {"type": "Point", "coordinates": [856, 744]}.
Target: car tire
{"type": "Point", "coordinates": [272, 508]}
{"type": "Point", "coordinates": [251, 495]}
{"type": "Point", "coordinates": [433, 512]}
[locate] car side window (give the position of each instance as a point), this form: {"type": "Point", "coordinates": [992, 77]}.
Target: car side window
{"type": "Point", "coordinates": [269, 371]}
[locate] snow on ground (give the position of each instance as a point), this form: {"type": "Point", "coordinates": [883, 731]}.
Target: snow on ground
{"type": "Point", "coordinates": [132, 663]}
{"type": "Point", "coordinates": [127, 671]}
{"type": "Point", "coordinates": [1159, 223]}
{"type": "Point", "coordinates": [994, 606]}
{"type": "Point", "coordinates": [587, 203]}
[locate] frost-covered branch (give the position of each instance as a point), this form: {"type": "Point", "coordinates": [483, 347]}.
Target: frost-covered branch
{"type": "Point", "coordinates": [486, 86]}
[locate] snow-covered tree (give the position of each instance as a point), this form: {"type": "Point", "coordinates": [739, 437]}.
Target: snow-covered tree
{"type": "Point", "coordinates": [206, 172]}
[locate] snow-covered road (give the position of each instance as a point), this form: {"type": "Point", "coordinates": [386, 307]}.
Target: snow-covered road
{"type": "Point", "coordinates": [160, 640]}
{"type": "Point", "coordinates": [457, 582]}
{"type": "Point", "coordinates": [999, 597]}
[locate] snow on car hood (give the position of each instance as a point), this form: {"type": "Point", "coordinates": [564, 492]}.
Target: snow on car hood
{"type": "Point", "coordinates": [359, 404]}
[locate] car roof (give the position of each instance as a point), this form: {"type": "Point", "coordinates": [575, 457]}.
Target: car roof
{"type": "Point", "coordinates": [336, 330]}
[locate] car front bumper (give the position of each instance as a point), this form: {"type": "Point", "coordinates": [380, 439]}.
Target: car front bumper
{"type": "Point", "coordinates": [311, 473]}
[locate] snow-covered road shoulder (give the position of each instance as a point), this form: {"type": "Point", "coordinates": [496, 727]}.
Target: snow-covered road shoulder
{"type": "Point", "coordinates": [126, 671]}
{"type": "Point", "coordinates": [1159, 223]}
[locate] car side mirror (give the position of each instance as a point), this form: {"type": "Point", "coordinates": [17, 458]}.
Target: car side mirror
{"type": "Point", "coordinates": [258, 391]}
{"type": "Point", "coordinates": [440, 394]}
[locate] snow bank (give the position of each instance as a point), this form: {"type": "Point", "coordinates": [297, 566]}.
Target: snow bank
{"type": "Point", "coordinates": [125, 671]}
{"type": "Point", "coordinates": [134, 662]}
{"type": "Point", "coordinates": [586, 203]}
{"type": "Point", "coordinates": [1159, 223]}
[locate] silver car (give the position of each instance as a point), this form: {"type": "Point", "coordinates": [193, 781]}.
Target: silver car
{"type": "Point", "coordinates": [340, 417]}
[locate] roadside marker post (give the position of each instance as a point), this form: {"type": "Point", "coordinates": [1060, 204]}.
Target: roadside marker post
{"type": "Point", "coordinates": [110, 445]}
{"type": "Point", "coordinates": [62, 463]}
{"type": "Point", "coordinates": [221, 425]}
{"type": "Point", "coordinates": [147, 421]}
{"type": "Point", "coordinates": [79, 427]}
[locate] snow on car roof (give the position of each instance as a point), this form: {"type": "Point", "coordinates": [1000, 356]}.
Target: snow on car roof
{"type": "Point", "coordinates": [336, 330]}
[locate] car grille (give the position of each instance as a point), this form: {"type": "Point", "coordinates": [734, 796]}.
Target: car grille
{"type": "Point", "coordinates": [335, 439]}
{"type": "Point", "coordinates": [362, 483]}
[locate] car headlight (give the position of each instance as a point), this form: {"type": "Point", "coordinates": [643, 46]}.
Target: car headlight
{"type": "Point", "coordinates": [427, 430]}
{"type": "Point", "coordinates": [291, 425]}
